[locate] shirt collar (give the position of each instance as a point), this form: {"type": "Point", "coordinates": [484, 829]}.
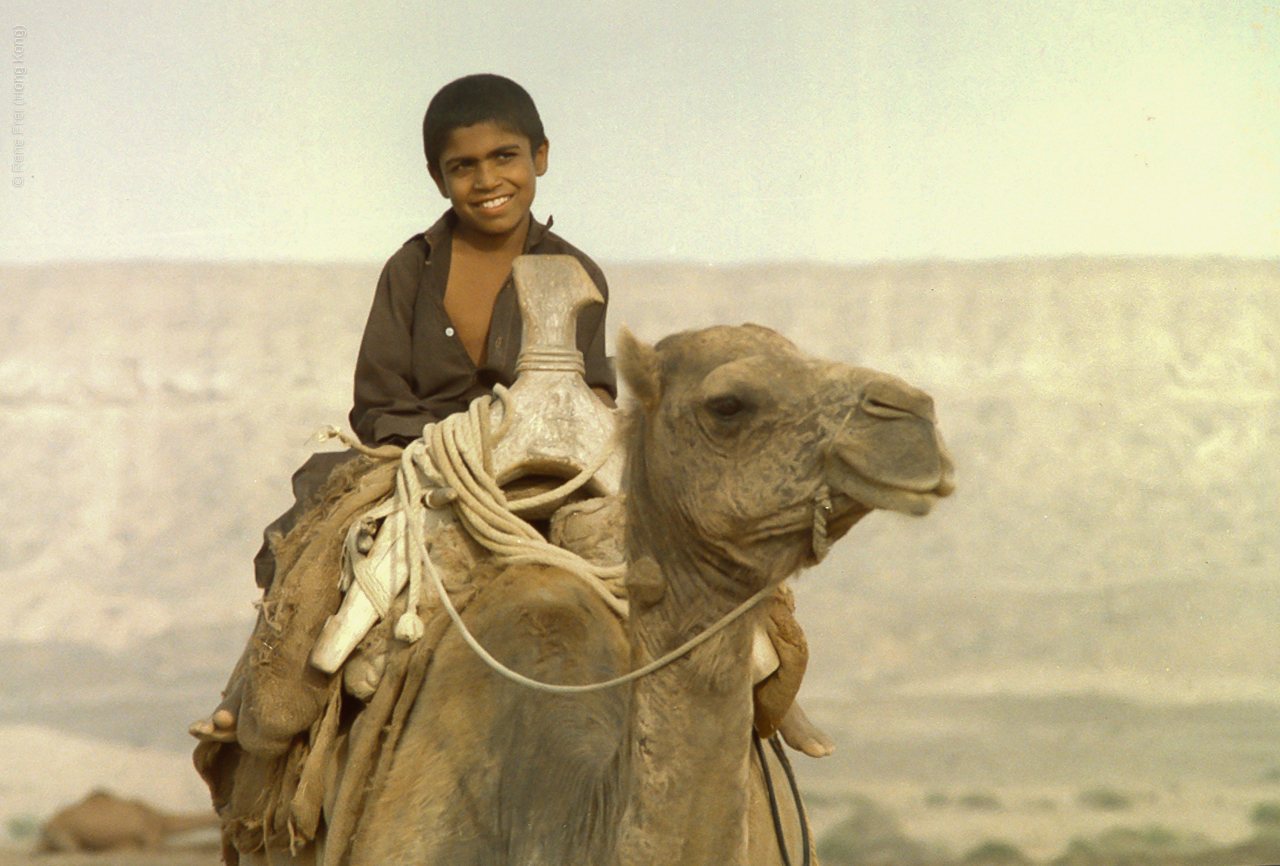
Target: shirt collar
{"type": "Point", "coordinates": [439, 231]}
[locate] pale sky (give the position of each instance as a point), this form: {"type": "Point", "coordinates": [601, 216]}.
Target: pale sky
{"type": "Point", "coordinates": [828, 130]}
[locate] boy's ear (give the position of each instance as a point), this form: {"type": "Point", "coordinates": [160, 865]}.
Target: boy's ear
{"type": "Point", "coordinates": [640, 366]}
{"type": "Point", "coordinates": [436, 176]}
{"type": "Point", "coordinates": [540, 158]}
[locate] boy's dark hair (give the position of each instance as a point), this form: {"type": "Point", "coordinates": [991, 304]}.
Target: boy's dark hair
{"type": "Point", "coordinates": [476, 99]}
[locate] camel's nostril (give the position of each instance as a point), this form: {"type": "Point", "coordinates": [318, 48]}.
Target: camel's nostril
{"type": "Point", "coordinates": [897, 400]}
{"type": "Point", "coordinates": [881, 409]}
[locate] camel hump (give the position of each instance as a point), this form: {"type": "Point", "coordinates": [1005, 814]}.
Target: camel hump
{"type": "Point", "coordinates": [549, 625]}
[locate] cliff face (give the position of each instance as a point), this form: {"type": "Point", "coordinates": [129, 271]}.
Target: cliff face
{"type": "Point", "coordinates": [1116, 424]}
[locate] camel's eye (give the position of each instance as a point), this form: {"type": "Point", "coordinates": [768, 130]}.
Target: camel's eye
{"type": "Point", "coordinates": [727, 407]}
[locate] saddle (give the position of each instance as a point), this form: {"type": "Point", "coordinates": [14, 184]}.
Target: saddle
{"type": "Point", "coordinates": [333, 664]}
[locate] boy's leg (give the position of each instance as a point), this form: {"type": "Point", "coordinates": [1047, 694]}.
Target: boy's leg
{"type": "Point", "coordinates": [220, 725]}
{"type": "Point", "coordinates": [307, 481]}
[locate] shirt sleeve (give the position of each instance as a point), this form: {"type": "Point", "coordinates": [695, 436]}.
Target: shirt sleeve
{"type": "Point", "coordinates": [385, 408]}
{"type": "Point", "coordinates": [592, 332]}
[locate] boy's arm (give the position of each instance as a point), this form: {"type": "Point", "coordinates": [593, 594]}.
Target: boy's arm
{"type": "Point", "coordinates": [600, 374]}
{"type": "Point", "coordinates": [385, 409]}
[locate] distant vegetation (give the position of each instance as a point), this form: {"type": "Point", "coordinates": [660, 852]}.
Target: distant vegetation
{"type": "Point", "coordinates": [1126, 846]}
{"type": "Point", "coordinates": [979, 802]}
{"type": "Point", "coordinates": [1104, 800]}
{"type": "Point", "coordinates": [23, 828]}
{"type": "Point", "coordinates": [995, 854]}
{"type": "Point", "coordinates": [1265, 818]}
{"type": "Point", "coordinates": [872, 836]}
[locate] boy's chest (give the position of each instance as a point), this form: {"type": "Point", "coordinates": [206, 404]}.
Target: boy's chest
{"type": "Point", "coordinates": [472, 287]}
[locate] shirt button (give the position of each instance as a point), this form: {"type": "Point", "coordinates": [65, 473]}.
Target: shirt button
{"type": "Point", "coordinates": [448, 332]}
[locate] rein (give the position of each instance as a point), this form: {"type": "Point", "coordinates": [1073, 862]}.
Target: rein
{"type": "Point", "coordinates": [774, 807]}
{"type": "Point", "coordinates": [553, 688]}
{"type": "Point", "coordinates": [459, 448]}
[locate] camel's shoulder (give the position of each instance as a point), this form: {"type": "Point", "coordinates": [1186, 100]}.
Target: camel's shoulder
{"type": "Point", "coordinates": [548, 624]}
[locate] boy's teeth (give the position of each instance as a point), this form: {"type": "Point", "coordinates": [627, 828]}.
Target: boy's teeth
{"type": "Point", "coordinates": [492, 203]}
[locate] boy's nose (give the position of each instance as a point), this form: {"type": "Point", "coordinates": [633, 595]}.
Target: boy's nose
{"type": "Point", "coordinates": [486, 176]}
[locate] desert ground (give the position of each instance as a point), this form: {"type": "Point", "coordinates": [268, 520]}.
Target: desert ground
{"type": "Point", "coordinates": [943, 779]}
{"type": "Point", "coordinates": [1072, 661]}
{"type": "Point", "coordinates": [206, 855]}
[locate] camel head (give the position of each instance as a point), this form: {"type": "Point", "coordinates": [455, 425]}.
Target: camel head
{"type": "Point", "coordinates": [756, 456]}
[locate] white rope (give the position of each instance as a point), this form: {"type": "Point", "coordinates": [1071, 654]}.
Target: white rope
{"type": "Point", "coordinates": [328, 431]}
{"type": "Point", "coordinates": [409, 492]}
{"type": "Point", "coordinates": [822, 509]}
{"type": "Point", "coordinates": [821, 516]}
{"type": "Point", "coordinates": [485, 512]}
{"type": "Point", "coordinates": [660, 662]}
{"type": "Point", "coordinates": [458, 450]}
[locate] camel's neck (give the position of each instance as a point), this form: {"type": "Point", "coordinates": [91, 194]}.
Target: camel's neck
{"type": "Point", "coordinates": [689, 743]}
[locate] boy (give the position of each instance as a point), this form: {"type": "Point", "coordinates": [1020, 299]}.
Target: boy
{"type": "Point", "coordinates": [445, 326]}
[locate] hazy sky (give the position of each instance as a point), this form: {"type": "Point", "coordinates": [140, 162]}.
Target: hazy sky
{"type": "Point", "coordinates": [748, 130]}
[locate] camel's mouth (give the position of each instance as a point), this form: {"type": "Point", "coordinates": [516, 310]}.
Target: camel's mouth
{"type": "Point", "coordinates": [845, 513]}
{"type": "Point", "coordinates": [913, 492]}
{"type": "Point", "coordinates": [870, 495]}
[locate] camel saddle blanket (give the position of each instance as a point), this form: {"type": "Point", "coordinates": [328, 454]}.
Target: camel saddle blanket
{"type": "Point", "coordinates": [272, 786]}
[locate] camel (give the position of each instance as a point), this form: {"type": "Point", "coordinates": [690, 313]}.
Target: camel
{"type": "Point", "coordinates": [745, 460]}
{"type": "Point", "coordinates": [104, 821]}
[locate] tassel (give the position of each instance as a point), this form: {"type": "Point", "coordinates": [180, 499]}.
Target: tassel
{"type": "Point", "coordinates": [409, 627]}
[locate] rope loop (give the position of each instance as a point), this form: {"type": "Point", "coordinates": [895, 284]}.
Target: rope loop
{"type": "Point", "coordinates": [821, 515]}
{"type": "Point", "coordinates": [456, 453]}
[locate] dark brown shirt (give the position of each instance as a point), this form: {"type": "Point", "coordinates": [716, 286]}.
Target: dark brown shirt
{"type": "Point", "coordinates": [413, 369]}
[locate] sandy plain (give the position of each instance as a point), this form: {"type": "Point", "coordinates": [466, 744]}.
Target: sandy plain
{"type": "Point", "coordinates": [1095, 612]}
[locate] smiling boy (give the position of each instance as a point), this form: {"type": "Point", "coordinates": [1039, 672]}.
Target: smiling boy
{"type": "Point", "coordinates": [445, 325]}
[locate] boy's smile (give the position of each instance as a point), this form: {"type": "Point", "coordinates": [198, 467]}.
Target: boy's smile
{"type": "Point", "coordinates": [489, 174]}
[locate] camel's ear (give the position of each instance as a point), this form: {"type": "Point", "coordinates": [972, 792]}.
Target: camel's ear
{"type": "Point", "coordinates": [639, 365]}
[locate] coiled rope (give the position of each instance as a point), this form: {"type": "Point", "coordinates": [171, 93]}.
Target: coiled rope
{"type": "Point", "coordinates": [458, 450]}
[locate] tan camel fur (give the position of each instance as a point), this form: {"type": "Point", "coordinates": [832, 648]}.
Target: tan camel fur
{"type": "Point", "coordinates": [745, 459]}
{"type": "Point", "coordinates": [103, 821]}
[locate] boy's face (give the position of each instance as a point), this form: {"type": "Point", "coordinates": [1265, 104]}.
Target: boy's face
{"type": "Point", "coordinates": [490, 175]}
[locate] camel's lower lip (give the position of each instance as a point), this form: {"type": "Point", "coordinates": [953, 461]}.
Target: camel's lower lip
{"type": "Point", "coordinates": [917, 500]}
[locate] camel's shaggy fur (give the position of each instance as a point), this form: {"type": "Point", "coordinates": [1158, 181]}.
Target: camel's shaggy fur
{"type": "Point", "coordinates": [744, 460]}
{"type": "Point", "coordinates": [283, 693]}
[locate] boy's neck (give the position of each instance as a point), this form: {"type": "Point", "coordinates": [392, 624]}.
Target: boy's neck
{"type": "Point", "coordinates": [510, 244]}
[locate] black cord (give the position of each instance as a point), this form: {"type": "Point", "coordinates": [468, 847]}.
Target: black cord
{"type": "Point", "coordinates": [773, 797]}
{"type": "Point", "coordinates": [776, 742]}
